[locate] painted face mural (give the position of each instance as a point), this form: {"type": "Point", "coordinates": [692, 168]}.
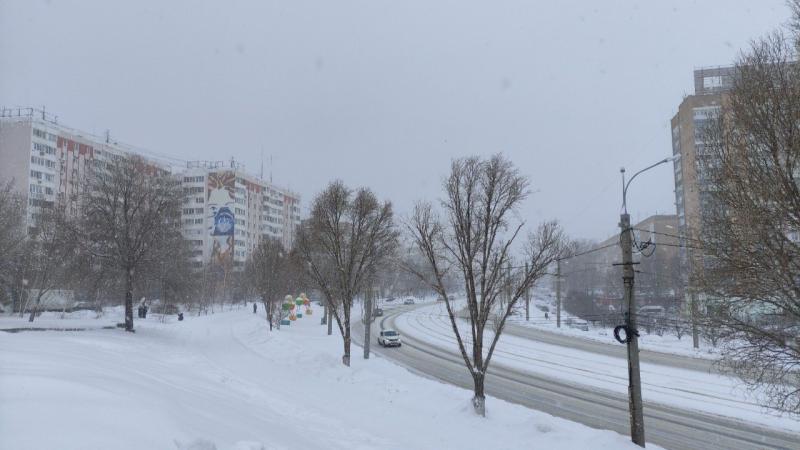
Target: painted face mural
{"type": "Point", "coordinates": [221, 191]}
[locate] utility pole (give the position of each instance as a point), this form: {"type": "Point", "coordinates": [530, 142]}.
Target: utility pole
{"type": "Point", "coordinates": [558, 293]}
{"type": "Point", "coordinates": [695, 334]}
{"type": "Point", "coordinates": [632, 335]}
{"type": "Point", "coordinates": [367, 320]}
{"type": "Point", "coordinates": [330, 317]}
{"type": "Point", "coordinates": [527, 298]}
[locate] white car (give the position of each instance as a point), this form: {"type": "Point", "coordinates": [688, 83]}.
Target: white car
{"type": "Point", "coordinates": [389, 338]}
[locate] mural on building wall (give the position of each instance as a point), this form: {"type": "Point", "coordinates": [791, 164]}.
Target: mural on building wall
{"type": "Point", "coordinates": [221, 191]}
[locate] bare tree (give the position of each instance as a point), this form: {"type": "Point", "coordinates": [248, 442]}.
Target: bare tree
{"type": "Point", "coordinates": [750, 239]}
{"type": "Point", "coordinates": [50, 253]}
{"type": "Point", "coordinates": [12, 236]}
{"type": "Point", "coordinates": [131, 209]}
{"type": "Point", "coordinates": [268, 272]}
{"type": "Point", "coordinates": [475, 238]}
{"type": "Point", "coordinates": [347, 235]}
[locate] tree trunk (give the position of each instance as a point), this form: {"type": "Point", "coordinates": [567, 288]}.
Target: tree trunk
{"type": "Point", "coordinates": [268, 309]}
{"type": "Point", "coordinates": [128, 301]}
{"type": "Point", "coordinates": [479, 399]}
{"type": "Point", "coordinates": [35, 307]}
{"type": "Point", "coordinates": [346, 356]}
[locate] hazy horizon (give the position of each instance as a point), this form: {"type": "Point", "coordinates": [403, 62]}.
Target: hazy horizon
{"type": "Point", "coordinates": [384, 95]}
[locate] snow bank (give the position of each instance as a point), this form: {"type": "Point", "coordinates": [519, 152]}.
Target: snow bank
{"type": "Point", "coordinates": [224, 382]}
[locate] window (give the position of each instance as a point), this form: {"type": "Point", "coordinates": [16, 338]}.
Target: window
{"type": "Point", "coordinates": [44, 148]}
{"type": "Point", "coordinates": [712, 82]}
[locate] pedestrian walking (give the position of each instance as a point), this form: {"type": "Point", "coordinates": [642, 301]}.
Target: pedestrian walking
{"type": "Point", "coordinates": [255, 307]}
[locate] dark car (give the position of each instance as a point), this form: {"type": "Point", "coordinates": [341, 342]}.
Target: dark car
{"type": "Point", "coordinates": [378, 312]}
{"type": "Point", "coordinates": [390, 299]}
{"type": "Point", "coordinates": [408, 301]}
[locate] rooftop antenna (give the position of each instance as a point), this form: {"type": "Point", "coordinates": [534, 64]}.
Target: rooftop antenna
{"type": "Point", "coordinates": [262, 162]}
{"type": "Point", "coordinates": [270, 169]}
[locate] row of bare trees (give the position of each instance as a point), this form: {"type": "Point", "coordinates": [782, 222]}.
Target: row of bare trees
{"type": "Point", "coordinates": [468, 243]}
{"type": "Point", "coordinates": [126, 237]}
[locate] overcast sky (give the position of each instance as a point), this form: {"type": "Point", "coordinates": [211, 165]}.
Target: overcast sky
{"type": "Point", "coordinates": [385, 93]}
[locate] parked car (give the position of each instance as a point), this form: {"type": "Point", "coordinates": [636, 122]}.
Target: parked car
{"type": "Point", "coordinates": [389, 338]}
{"type": "Point", "coordinates": [408, 301]}
{"type": "Point", "coordinates": [378, 312]}
{"type": "Point", "coordinates": [578, 323]}
{"type": "Point", "coordinates": [390, 299]}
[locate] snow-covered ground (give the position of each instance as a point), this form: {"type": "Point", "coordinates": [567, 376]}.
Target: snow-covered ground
{"type": "Point", "coordinates": [667, 343]}
{"type": "Point", "coordinates": [224, 381]}
{"type": "Point", "coordinates": [689, 389]}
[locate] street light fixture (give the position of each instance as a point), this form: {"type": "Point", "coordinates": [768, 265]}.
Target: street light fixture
{"type": "Point", "coordinates": [631, 334]}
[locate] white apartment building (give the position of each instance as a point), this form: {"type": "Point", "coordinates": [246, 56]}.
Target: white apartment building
{"type": "Point", "coordinates": [48, 162]}
{"type": "Point", "coordinates": [227, 212]}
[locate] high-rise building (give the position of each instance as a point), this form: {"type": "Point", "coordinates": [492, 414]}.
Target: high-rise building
{"type": "Point", "coordinates": [227, 212]}
{"type": "Point", "coordinates": [48, 162]}
{"type": "Point", "coordinates": [692, 184]}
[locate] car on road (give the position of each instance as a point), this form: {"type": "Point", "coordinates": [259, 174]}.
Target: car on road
{"type": "Point", "coordinates": [378, 312]}
{"type": "Point", "coordinates": [390, 299]}
{"type": "Point", "coordinates": [408, 301]}
{"type": "Point", "coordinates": [578, 323]}
{"type": "Point", "coordinates": [389, 338]}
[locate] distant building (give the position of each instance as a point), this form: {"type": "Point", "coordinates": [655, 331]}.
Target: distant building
{"type": "Point", "coordinates": [692, 185]}
{"type": "Point", "coordinates": [226, 212]}
{"type": "Point", "coordinates": [657, 281]}
{"type": "Point", "coordinates": [48, 162]}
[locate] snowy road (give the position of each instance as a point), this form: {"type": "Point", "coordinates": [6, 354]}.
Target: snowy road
{"type": "Point", "coordinates": [684, 409]}
{"type": "Point", "coordinates": [610, 349]}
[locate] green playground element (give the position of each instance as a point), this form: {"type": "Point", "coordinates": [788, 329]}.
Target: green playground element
{"type": "Point", "coordinates": [299, 315]}
{"type": "Point", "coordinates": [287, 306]}
{"type": "Point", "coordinates": [286, 322]}
{"type": "Point", "coordinates": [299, 301]}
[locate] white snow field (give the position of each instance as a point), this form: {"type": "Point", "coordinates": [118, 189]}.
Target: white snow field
{"type": "Point", "coordinates": [223, 381]}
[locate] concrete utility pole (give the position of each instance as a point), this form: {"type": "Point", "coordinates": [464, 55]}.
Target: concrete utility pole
{"type": "Point", "coordinates": [558, 293]}
{"type": "Point", "coordinates": [632, 336]}
{"type": "Point", "coordinates": [330, 318]}
{"type": "Point", "coordinates": [367, 320]}
{"type": "Point", "coordinates": [527, 298]}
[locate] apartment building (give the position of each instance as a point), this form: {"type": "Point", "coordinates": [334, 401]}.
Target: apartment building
{"type": "Point", "coordinates": [48, 162]}
{"type": "Point", "coordinates": [692, 185]}
{"type": "Point", "coordinates": [227, 212]}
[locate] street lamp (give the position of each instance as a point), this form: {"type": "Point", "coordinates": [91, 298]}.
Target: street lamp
{"type": "Point", "coordinates": [631, 334]}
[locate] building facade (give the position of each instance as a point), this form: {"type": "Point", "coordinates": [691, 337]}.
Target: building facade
{"type": "Point", "coordinates": [692, 184]}
{"type": "Point", "coordinates": [48, 163]}
{"type": "Point", "coordinates": [227, 212]}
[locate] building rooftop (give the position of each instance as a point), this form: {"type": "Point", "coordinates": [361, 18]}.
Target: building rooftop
{"type": "Point", "coordinates": [713, 80]}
